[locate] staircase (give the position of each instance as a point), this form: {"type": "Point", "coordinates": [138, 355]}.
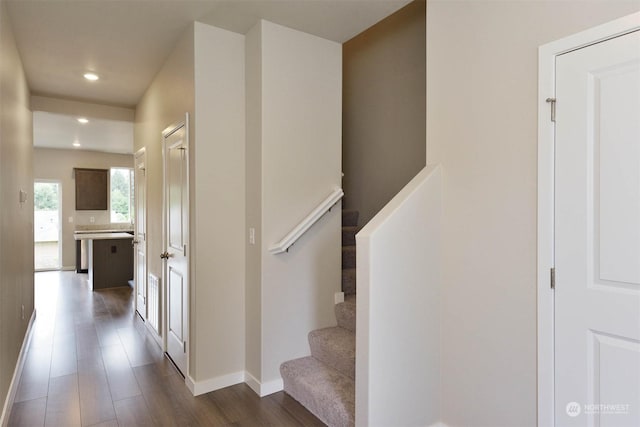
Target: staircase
{"type": "Point", "coordinates": [325, 381]}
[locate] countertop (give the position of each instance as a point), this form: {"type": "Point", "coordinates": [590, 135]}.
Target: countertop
{"type": "Point", "coordinates": [112, 230]}
{"type": "Point", "coordinates": [102, 236]}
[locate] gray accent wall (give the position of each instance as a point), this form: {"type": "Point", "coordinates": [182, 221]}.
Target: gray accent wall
{"type": "Point", "coordinates": [384, 109]}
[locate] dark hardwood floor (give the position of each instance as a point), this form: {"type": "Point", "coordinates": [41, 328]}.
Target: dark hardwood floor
{"type": "Point", "coordinates": [91, 362]}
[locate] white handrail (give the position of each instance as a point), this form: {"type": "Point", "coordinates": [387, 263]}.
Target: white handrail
{"type": "Point", "coordinates": [288, 240]}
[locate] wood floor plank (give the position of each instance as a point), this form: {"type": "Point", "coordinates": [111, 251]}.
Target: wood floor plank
{"type": "Point", "coordinates": [162, 399]}
{"type": "Point", "coordinates": [87, 343]}
{"type": "Point", "coordinates": [295, 409]}
{"type": "Point", "coordinates": [133, 412]}
{"type": "Point", "coordinates": [138, 352]}
{"type": "Point", "coordinates": [63, 357]}
{"type": "Point", "coordinates": [110, 423]}
{"type": "Point", "coordinates": [30, 413]}
{"type": "Point", "coordinates": [203, 411]}
{"type": "Point", "coordinates": [96, 404]}
{"type": "Point", "coordinates": [63, 402]}
{"type": "Point", "coordinates": [120, 376]}
{"type": "Point", "coordinates": [237, 402]}
{"type": "Point", "coordinates": [122, 382]}
{"type": "Point", "coordinates": [107, 332]}
{"type": "Point", "coordinates": [34, 382]}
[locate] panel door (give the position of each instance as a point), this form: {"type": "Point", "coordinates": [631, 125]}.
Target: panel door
{"type": "Point", "coordinates": [597, 244]}
{"type": "Point", "coordinates": [176, 222]}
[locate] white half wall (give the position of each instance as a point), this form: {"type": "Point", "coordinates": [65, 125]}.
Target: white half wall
{"type": "Point", "coordinates": [294, 128]}
{"type": "Point", "coordinates": [398, 314]}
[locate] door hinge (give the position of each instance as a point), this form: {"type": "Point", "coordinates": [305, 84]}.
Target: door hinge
{"type": "Point", "coordinates": [553, 278]}
{"type": "Point", "coordinates": [184, 346]}
{"type": "Point", "coordinates": [553, 108]}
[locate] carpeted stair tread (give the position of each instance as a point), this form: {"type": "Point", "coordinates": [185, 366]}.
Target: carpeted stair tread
{"type": "Point", "coordinates": [349, 281]}
{"type": "Point", "coordinates": [349, 218]}
{"type": "Point", "coordinates": [346, 313]}
{"type": "Point", "coordinates": [348, 257]}
{"type": "Point", "coordinates": [349, 235]}
{"type": "Point", "coordinates": [336, 347]}
{"type": "Point", "coordinates": [325, 392]}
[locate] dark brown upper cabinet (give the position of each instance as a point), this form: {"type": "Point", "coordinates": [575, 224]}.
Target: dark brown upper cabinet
{"type": "Point", "coordinates": [91, 189]}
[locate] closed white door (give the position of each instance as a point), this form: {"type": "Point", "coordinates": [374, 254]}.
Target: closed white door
{"type": "Point", "coordinates": [176, 237]}
{"type": "Point", "coordinates": [597, 241]}
{"type": "Point", "coordinates": [140, 238]}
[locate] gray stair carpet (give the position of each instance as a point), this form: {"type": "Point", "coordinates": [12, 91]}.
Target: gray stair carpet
{"type": "Point", "coordinates": [349, 230]}
{"type": "Point", "coordinates": [349, 281]}
{"type": "Point", "coordinates": [325, 392]}
{"type": "Point", "coordinates": [325, 381]}
{"type": "Point", "coordinates": [335, 347]}
{"type": "Point", "coordinates": [346, 313]}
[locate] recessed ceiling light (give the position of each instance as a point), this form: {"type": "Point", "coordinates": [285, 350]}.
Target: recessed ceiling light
{"type": "Point", "coordinates": [82, 120]}
{"type": "Point", "coordinates": [91, 76]}
{"type": "Point", "coordinates": [76, 144]}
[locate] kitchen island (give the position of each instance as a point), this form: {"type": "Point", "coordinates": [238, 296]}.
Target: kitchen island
{"type": "Point", "coordinates": [110, 258]}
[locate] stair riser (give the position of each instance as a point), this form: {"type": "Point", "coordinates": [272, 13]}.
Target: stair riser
{"type": "Point", "coordinates": [332, 402]}
{"type": "Point", "coordinates": [348, 236]}
{"type": "Point", "coordinates": [348, 257]}
{"type": "Point", "coordinates": [349, 218]}
{"type": "Point", "coordinates": [338, 355]}
{"type": "Point", "coordinates": [349, 281]}
{"type": "Point", "coordinates": [346, 316]}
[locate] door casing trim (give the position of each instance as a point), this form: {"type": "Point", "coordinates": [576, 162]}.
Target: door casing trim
{"type": "Point", "coordinates": [546, 159]}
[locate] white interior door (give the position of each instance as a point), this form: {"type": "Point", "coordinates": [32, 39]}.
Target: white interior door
{"type": "Point", "coordinates": [597, 243]}
{"type": "Point", "coordinates": [140, 240]}
{"type": "Point", "coordinates": [176, 237]}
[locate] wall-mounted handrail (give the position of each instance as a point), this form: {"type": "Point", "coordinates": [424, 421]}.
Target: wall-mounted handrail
{"type": "Point", "coordinates": [288, 240]}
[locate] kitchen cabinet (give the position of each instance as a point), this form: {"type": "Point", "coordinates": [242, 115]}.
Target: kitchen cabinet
{"type": "Point", "coordinates": [91, 189]}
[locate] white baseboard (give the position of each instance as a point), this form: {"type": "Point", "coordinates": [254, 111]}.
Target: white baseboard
{"type": "Point", "coordinates": [17, 372]}
{"type": "Point", "coordinates": [212, 384]}
{"type": "Point", "coordinates": [263, 389]}
{"type": "Point", "coordinates": [200, 387]}
{"type": "Point", "coordinates": [69, 268]}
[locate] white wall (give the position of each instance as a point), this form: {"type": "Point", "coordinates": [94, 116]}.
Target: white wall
{"type": "Point", "coordinates": [16, 219]}
{"type": "Point", "coordinates": [168, 98]}
{"type": "Point", "coordinates": [398, 317]}
{"type": "Point", "coordinates": [204, 75]}
{"type": "Point", "coordinates": [481, 126]}
{"type": "Point", "coordinates": [295, 136]}
{"type": "Point", "coordinates": [217, 280]}
{"type": "Point", "coordinates": [253, 202]}
{"type": "Point", "coordinates": [58, 165]}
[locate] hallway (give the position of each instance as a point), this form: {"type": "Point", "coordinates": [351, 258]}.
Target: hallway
{"type": "Point", "coordinates": [91, 362]}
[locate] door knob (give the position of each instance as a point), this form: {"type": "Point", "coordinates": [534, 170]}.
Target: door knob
{"type": "Point", "coordinates": [164, 255]}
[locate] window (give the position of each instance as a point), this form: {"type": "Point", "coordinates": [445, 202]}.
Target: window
{"type": "Point", "coordinates": [121, 195]}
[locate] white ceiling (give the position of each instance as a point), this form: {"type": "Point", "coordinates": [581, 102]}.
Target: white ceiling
{"type": "Point", "coordinates": [127, 41]}
{"type": "Point", "coordinates": [52, 130]}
